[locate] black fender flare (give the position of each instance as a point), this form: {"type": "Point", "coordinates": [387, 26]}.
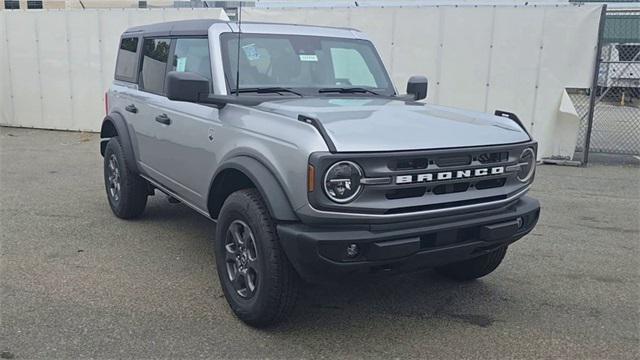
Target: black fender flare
{"type": "Point", "coordinates": [122, 130]}
{"type": "Point", "coordinates": [266, 183]}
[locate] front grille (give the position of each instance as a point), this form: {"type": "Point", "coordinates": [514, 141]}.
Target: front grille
{"type": "Point", "coordinates": [426, 180]}
{"type": "Point", "coordinates": [444, 188]}
{"type": "Point", "coordinates": [464, 186]}
{"type": "Point", "coordinates": [444, 206]}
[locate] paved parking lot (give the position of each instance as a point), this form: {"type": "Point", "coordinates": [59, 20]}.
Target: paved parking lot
{"type": "Point", "coordinates": [76, 282]}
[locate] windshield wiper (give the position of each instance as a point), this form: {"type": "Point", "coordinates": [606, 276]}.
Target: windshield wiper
{"type": "Point", "coordinates": [349, 90]}
{"type": "Point", "coordinates": [266, 90]}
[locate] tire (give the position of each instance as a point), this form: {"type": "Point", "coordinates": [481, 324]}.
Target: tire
{"type": "Point", "coordinates": [474, 268]}
{"type": "Point", "coordinates": [126, 191]}
{"type": "Point", "coordinates": [257, 279]}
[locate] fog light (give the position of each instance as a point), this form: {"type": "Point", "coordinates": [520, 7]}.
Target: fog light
{"type": "Point", "coordinates": [353, 250]}
{"type": "Point", "coordinates": [520, 222]}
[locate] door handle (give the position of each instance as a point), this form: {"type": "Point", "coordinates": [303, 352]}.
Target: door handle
{"type": "Point", "coordinates": [163, 119]}
{"type": "Point", "coordinates": [131, 108]}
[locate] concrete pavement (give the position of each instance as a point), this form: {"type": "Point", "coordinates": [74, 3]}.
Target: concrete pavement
{"type": "Point", "coordinates": [76, 282]}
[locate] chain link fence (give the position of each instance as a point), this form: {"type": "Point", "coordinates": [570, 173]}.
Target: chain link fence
{"type": "Point", "coordinates": [616, 114]}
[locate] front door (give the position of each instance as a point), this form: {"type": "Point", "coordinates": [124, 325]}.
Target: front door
{"type": "Point", "coordinates": [184, 154]}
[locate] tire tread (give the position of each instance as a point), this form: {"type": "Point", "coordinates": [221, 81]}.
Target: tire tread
{"type": "Point", "coordinates": [133, 196]}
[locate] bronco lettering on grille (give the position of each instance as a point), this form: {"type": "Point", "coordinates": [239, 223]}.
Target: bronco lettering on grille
{"type": "Point", "coordinates": [449, 175]}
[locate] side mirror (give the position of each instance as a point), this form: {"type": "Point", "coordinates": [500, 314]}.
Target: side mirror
{"type": "Point", "coordinates": [186, 86]}
{"type": "Point", "coordinates": [417, 86]}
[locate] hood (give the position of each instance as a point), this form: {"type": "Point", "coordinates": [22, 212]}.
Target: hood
{"type": "Point", "coordinates": [378, 124]}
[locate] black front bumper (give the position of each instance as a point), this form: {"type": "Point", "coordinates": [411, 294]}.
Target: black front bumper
{"type": "Point", "coordinates": [319, 253]}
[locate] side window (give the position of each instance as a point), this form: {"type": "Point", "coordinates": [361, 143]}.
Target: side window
{"type": "Point", "coordinates": [127, 59]}
{"type": "Point", "coordinates": [192, 55]}
{"type": "Point", "coordinates": [155, 53]}
{"type": "Point", "coordinates": [349, 67]}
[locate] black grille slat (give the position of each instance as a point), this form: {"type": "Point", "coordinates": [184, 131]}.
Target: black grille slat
{"type": "Point", "coordinates": [451, 188]}
{"type": "Point", "coordinates": [447, 161]}
{"type": "Point", "coordinates": [409, 164]}
{"type": "Point", "coordinates": [490, 183]}
{"type": "Point", "coordinates": [492, 158]}
{"type": "Point", "coordinates": [406, 193]}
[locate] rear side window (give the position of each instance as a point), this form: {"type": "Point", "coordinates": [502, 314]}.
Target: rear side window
{"type": "Point", "coordinates": [192, 55]}
{"type": "Point", "coordinates": [126, 65]}
{"type": "Point", "coordinates": [155, 54]}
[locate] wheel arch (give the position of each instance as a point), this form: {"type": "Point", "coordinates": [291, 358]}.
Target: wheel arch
{"type": "Point", "coordinates": [243, 172]}
{"type": "Point", "coordinates": [114, 125]}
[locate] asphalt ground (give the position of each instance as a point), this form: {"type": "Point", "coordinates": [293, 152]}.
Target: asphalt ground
{"type": "Point", "coordinates": [76, 282]}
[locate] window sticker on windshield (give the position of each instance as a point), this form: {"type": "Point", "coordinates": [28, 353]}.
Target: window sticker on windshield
{"type": "Point", "coordinates": [307, 57]}
{"type": "Point", "coordinates": [181, 64]}
{"type": "Point", "coordinates": [251, 52]}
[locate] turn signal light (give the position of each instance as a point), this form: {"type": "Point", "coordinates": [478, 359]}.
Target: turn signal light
{"type": "Point", "coordinates": [311, 178]}
{"type": "Point", "coordinates": [106, 103]}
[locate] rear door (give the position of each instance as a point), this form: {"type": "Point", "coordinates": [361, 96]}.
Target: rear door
{"type": "Point", "coordinates": [151, 94]}
{"type": "Point", "coordinates": [187, 137]}
{"type": "Point", "coordinates": [123, 95]}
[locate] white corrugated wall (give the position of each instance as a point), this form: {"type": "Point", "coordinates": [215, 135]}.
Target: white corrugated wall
{"type": "Point", "coordinates": [55, 65]}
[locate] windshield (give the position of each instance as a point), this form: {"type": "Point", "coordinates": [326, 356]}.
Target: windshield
{"type": "Point", "coordinates": [309, 65]}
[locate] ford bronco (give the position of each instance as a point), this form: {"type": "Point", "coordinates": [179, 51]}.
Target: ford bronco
{"type": "Point", "coordinates": [295, 141]}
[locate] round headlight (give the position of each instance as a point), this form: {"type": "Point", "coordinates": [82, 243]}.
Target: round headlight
{"type": "Point", "coordinates": [527, 164]}
{"type": "Point", "coordinates": [342, 181]}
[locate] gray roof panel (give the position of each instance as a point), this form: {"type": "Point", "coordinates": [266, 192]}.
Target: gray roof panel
{"type": "Point", "coordinates": [180, 27]}
{"type": "Point", "coordinates": [200, 27]}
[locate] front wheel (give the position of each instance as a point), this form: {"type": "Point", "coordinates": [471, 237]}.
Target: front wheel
{"type": "Point", "coordinates": [474, 268]}
{"type": "Point", "coordinates": [257, 279]}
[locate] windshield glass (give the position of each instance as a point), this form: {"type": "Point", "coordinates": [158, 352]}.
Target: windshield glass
{"type": "Point", "coordinates": [306, 64]}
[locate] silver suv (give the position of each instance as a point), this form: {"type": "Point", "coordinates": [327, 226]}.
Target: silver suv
{"type": "Point", "coordinates": [294, 139]}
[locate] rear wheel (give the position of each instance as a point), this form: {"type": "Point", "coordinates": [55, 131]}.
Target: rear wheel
{"type": "Point", "coordinates": [127, 191]}
{"type": "Point", "coordinates": [474, 268]}
{"type": "Point", "coordinates": [257, 279]}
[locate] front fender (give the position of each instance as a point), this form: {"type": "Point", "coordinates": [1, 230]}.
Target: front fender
{"type": "Point", "coordinates": [266, 183]}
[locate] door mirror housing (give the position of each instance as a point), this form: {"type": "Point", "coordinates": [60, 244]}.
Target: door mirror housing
{"type": "Point", "coordinates": [186, 86]}
{"type": "Point", "coordinates": [417, 86]}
